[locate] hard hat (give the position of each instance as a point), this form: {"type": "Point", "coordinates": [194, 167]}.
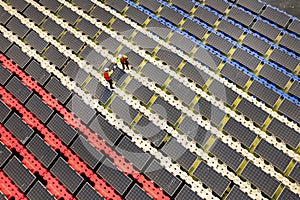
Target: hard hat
{"type": "Point", "coordinates": [119, 56]}
{"type": "Point", "coordinates": [124, 56]}
{"type": "Point", "coordinates": [106, 69]}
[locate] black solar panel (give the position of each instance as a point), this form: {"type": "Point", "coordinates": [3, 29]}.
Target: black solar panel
{"type": "Point", "coordinates": [87, 27]}
{"type": "Point", "coordinates": [92, 57]}
{"type": "Point", "coordinates": [295, 173]}
{"type": "Point", "coordinates": [291, 42]}
{"type": "Point", "coordinates": [140, 91]}
{"type": "Point", "coordinates": [171, 15]}
{"type": "Point", "coordinates": [206, 16]}
{"type": "Point", "coordinates": [187, 193]}
{"type": "Point", "coordinates": [66, 175]}
{"type": "Point", "coordinates": [194, 131]}
{"type": "Point", "coordinates": [4, 74]}
{"type": "Point", "coordinates": [172, 59]}
{"type": "Point", "coordinates": [87, 192]}
{"type": "Point", "coordinates": [81, 109]}
{"type": "Point", "coordinates": [101, 14]}
{"type": "Point", "coordinates": [38, 73]}
{"type": "Point", "coordinates": [65, 132]}
{"type": "Point", "coordinates": [288, 194]}
{"type": "Point", "coordinates": [122, 27]}
{"type": "Point", "coordinates": [226, 154]}
{"type": "Point", "coordinates": [207, 58]}
{"type": "Point", "coordinates": [256, 43]}
{"type": "Point", "coordinates": [256, 114]}
{"type": "Point", "coordinates": [72, 42]}
{"type": "Point", "coordinates": [87, 152]}
{"type": "Point", "coordinates": [105, 130]}
{"type": "Point", "coordinates": [18, 4]}
{"type": "Point", "coordinates": [195, 29]}
{"type": "Point", "coordinates": [153, 5]}
{"type": "Point", "coordinates": [85, 5]}
{"type": "Point", "coordinates": [219, 43]}
{"type": "Point", "coordinates": [255, 6]}
{"type": "Point", "coordinates": [34, 14]}
{"type": "Point", "coordinates": [246, 59]}
{"type": "Point", "coordinates": [150, 131]}
{"type": "Point", "coordinates": [16, 26]}
{"type": "Point", "coordinates": [55, 57]}
{"type": "Point", "coordinates": [295, 26]}
{"type": "Point", "coordinates": [5, 154]}
{"type": "Point", "coordinates": [136, 193]}
{"type": "Point", "coordinates": [158, 28]}
{"type": "Point", "coordinates": [274, 75]}
{"type": "Point", "coordinates": [295, 88]}
{"type": "Point", "coordinates": [4, 43]}
{"type": "Point", "coordinates": [195, 74]}
{"type": "Point", "coordinates": [185, 5]}
{"type": "Point", "coordinates": [240, 132]}
{"type": "Point", "coordinates": [260, 179]}
{"type": "Point", "coordinates": [4, 17]}
{"type": "Point", "coordinates": [284, 59]}
{"type": "Point", "coordinates": [290, 109]}
{"type": "Point", "coordinates": [68, 14]}
{"type": "Point", "coordinates": [163, 108]}
{"type": "Point", "coordinates": [273, 155]}
{"type": "Point", "coordinates": [41, 150]}
{"type": "Point", "coordinates": [52, 5]}
{"type": "Point", "coordinates": [117, 179]}
{"type": "Point", "coordinates": [276, 16]}
{"type": "Point", "coordinates": [98, 90]}
{"type": "Point", "coordinates": [14, 168]}
{"type": "Point", "coordinates": [58, 90]}
{"type": "Point", "coordinates": [179, 153]}
{"type": "Point", "coordinates": [184, 93]}
{"type": "Point", "coordinates": [4, 111]}
{"type": "Point", "coordinates": [136, 15]}
{"type": "Point", "coordinates": [163, 178]}
{"type": "Point", "coordinates": [75, 72]}
{"type": "Point", "coordinates": [118, 5]}
{"type": "Point", "coordinates": [52, 27]}
{"type": "Point", "coordinates": [154, 73]}
{"type": "Point", "coordinates": [145, 42]}
{"type": "Point", "coordinates": [211, 178]}
{"type": "Point", "coordinates": [38, 191]}
{"type": "Point", "coordinates": [182, 42]}
{"type": "Point", "coordinates": [18, 56]}
{"type": "Point", "coordinates": [230, 29]}
{"type": "Point", "coordinates": [266, 29]}
{"type": "Point", "coordinates": [18, 128]}
{"type": "Point", "coordinates": [235, 193]}
{"type": "Point", "coordinates": [240, 16]}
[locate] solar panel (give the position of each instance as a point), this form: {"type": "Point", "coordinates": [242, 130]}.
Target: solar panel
{"type": "Point", "coordinates": [158, 28]}
{"type": "Point", "coordinates": [52, 5]}
{"type": "Point", "coordinates": [64, 131]}
{"type": "Point", "coordinates": [4, 17]}
{"type": "Point", "coordinates": [18, 56]}
{"type": "Point", "coordinates": [218, 5]}
{"type": "Point", "coordinates": [255, 6]}
{"type": "Point", "coordinates": [194, 131]}
{"type": "Point", "coordinates": [72, 42]}
{"type": "Point", "coordinates": [194, 74]}
{"type": "Point", "coordinates": [153, 5]}
{"type": "Point", "coordinates": [274, 75]}
{"type": "Point", "coordinates": [226, 154]}
{"type": "Point", "coordinates": [295, 26]}
{"type": "Point", "coordinates": [18, 128]}
{"type": "Point", "coordinates": [4, 43]}
{"type": "Point", "coordinates": [14, 168]}
{"type": "Point", "coordinates": [4, 111]}
{"type": "Point", "coordinates": [116, 178]}
{"type": "Point", "coordinates": [123, 110]}
{"type": "Point", "coordinates": [136, 192]}
{"type": "Point", "coordinates": [219, 43]}
{"type": "Point", "coordinates": [273, 155]}
{"type": "Point", "coordinates": [187, 6]}
{"type": "Point", "coordinates": [182, 42]}
{"type": "Point", "coordinates": [240, 16]}
{"type": "Point", "coordinates": [266, 29]}
{"type": "Point", "coordinates": [5, 154]}
{"type": "Point", "coordinates": [92, 57]}
{"type": "Point", "coordinates": [88, 192]}
{"type": "Point", "coordinates": [101, 14]}
{"type": "Point", "coordinates": [123, 28]}
{"type": "Point", "coordinates": [145, 42]}
{"type": "Point", "coordinates": [284, 59]}
{"type": "Point", "coordinates": [118, 5]}
{"type": "Point", "coordinates": [119, 76]}
{"type": "Point", "coordinates": [98, 90]}
{"type": "Point", "coordinates": [140, 91]}
{"type": "Point", "coordinates": [81, 109]}
{"type": "Point", "coordinates": [75, 72]}
{"type": "Point", "coordinates": [276, 16]}
{"type": "Point", "coordinates": [236, 193]}
{"type": "Point", "coordinates": [211, 178]}
{"type": "Point", "coordinates": [154, 73]}
{"type": "Point", "coordinates": [41, 150]}
{"type": "Point", "coordinates": [172, 59]}
{"type": "Point", "coordinates": [184, 93]}
{"type": "Point", "coordinates": [86, 152]}
{"type": "Point", "coordinates": [195, 29]}
{"type": "Point", "coordinates": [295, 173]}
{"type": "Point", "coordinates": [137, 15]}
{"type": "Point", "coordinates": [52, 27]}
{"type": "Point", "coordinates": [163, 178]}
{"type": "Point", "coordinates": [4, 74]}
{"type": "Point", "coordinates": [290, 109]}
{"type": "Point", "coordinates": [246, 59]}
{"type": "Point", "coordinates": [187, 193]}
{"type": "Point", "coordinates": [35, 70]}
{"type": "Point", "coordinates": [288, 194]}
{"type": "Point", "coordinates": [256, 114]}
{"type": "Point", "coordinates": [68, 14]}
{"type": "Point", "coordinates": [207, 58]}
{"type": "Point", "coordinates": [150, 131]}
{"type": "Point", "coordinates": [179, 153]}
{"type": "Point", "coordinates": [240, 132]}
{"type": "Point", "coordinates": [87, 27]}
{"type": "Point", "coordinates": [260, 179]}
{"type": "Point", "coordinates": [16, 26]}
{"type": "Point", "coordinates": [134, 58]}
{"type": "Point", "coordinates": [85, 5]}
{"type": "Point", "coordinates": [170, 15]}
{"type": "Point", "coordinates": [34, 14]}
{"type": "Point", "coordinates": [210, 111]}
{"type": "Point", "coordinates": [66, 175]}
{"type": "Point", "coordinates": [133, 153]}
{"type": "Point", "coordinates": [256, 43]}
{"type": "Point", "coordinates": [105, 130]}
{"type": "Point", "coordinates": [206, 16]}
{"type": "Point", "coordinates": [58, 90]}
{"type": "Point", "coordinates": [230, 29]}
{"type": "Point", "coordinates": [285, 133]}
{"type": "Point", "coordinates": [54, 56]}
{"type": "Point", "coordinates": [38, 191]}
{"type": "Point", "coordinates": [291, 42]}
{"type": "Point", "coordinates": [163, 108]}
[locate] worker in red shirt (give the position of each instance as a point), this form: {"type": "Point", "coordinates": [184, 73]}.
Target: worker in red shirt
{"type": "Point", "coordinates": [124, 61]}
{"type": "Point", "coordinates": [107, 76]}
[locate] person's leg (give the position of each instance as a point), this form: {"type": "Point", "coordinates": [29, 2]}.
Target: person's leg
{"type": "Point", "coordinates": [127, 65]}
{"type": "Point", "coordinates": [123, 65]}
{"type": "Point", "coordinates": [111, 84]}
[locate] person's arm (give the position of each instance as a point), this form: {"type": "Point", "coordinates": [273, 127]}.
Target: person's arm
{"type": "Point", "coordinates": [110, 72]}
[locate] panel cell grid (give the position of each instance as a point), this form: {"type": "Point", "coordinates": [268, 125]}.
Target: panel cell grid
{"type": "Point", "coordinates": [246, 59]}
{"type": "Point", "coordinates": [284, 59]}
{"type": "Point", "coordinates": [226, 154]}
{"type": "Point", "coordinates": [172, 59]}
{"type": "Point", "coordinates": [295, 173]}
{"type": "Point", "coordinates": [211, 178]}
{"type": "Point", "coordinates": [218, 5]}
{"type": "Point", "coordinates": [285, 133]}
{"type": "Point", "coordinates": [171, 15]}
{"type": "Point", "coordinates": [123, 110]}
{"type": "Point", "coordinates": [163, 178]}
{"type": "Point", "coordinates": [87, 152]}
{"type": "Point", "coordinates": [154, 73]}
{"type": "Point", "coordinates": [5, 16]}
{"type": "Point", "coordinates": [290, 42]}
{"type": "Point", "coordinates": [15, 25]}
{"type": "Point", "coordinates": [87, 192]}
{"type": "Point", "coordinates": [137, 15]}
{"type": "Point", "coordinates": [4, 111]}
{"type": "Point", "coordinates": [288, 194]}
{"type": "Point", "coordinates": [153, 5]}
{"type": "Point", "coordinates": [235, 193]}
{"type": "Point", "coordinates": [207, 58]}
{"type": "Point", "coordinates": [4, 43]}
{"type": "Point", "coordinates": [134, 59]}
{"type": "Point", "coordinates": [275, 76]}
{"type": "Point", "coordinates": [290, 109]}
{"type": "Point", "coordinates": [187, 193]}
{"type": "Point", "coordinates": [177, 152]}
{"type": "Point", "coordinates": [256, 43]}
{"type": "Point", "coordinates": [35, 70]}
{"type": "Point", "coordinates": [255, 6]}
{"type": "Point", "coordinates": [219, 43]}
{"type": "Point", "coordinates": [145, 42]}
{"type": "Point", "coordinates": [254, 113]}
{"type": "Point", "coordinates": [295, 26]}
{"type": "Point", "coordinates": [38, 191]}
{"type": "Point", "coordinates": [150, 131]}
{"type": "Point", "coordinates": [195, 29]}
{"type": "Point", "coordinates": [34, 14]}
{"type": "Point", "coordinates": [206, 16]}
{"type": "Point", "coordinates": [98, 90]}
{"type": "Point", "coordinates": [87, 27]}
{"type": "Point", "coordinates": [276, 16]}
{"type": "Point", "coordinates": [163, 108]}
{"type": "Point", "coordinates": [264, 93]}
{"type": "Point", "coordinates": [184, 93]}
{"type": "Point", "coordinates": [85, 5]}
{"type": "Point", "coordinates": [118, 5]}
{"type": "Point", "coordinates": [68, 14]}
{"type": "Point", "coordinates": [92, 57]}
{"type": "Point", "coordinates": [18, 128]}
{"type": "Point", "coordinates": [182, 42]}
{"type": "Point", "coordinates": [42, 151]}
{"type": "Point", "coordinates": [230, 29]}
{"type": "Point", "coordinates": [273, 155]}
{"type": "Point", "coordinates": [75, 72]}
{"type": "Point", "coordinates": [240, 132]}
{"type": "Point", "coordinates": [18, 4]}
{"type": "Point", "coordinates": [72, 42]}
{"type": "Point", "coordinates": [266, 29]}
{"type": "Point", "coordinates": [116, 178]}
{"type": "Point", "coordinates": [185, 5]}
{"type": "Point", "coordinates": [108, 42]}
{"type": "Point", "coordinates": [5, 154]}
{"type": "Point", "coordinates": [52, 27]}
{"type": "Point", "coordinates": [295, 88]}
{"type": "Point", "coordinates": [101, 14]}
{"type": "Point", "coordinates": [52, 5]}
{"type": "Point", "coordinates": [55, 56]}
{"type": "Point", "coordinates": [240, 16]}
{"type": "Point", "coordinates": [65, 132]}
{"type": "Point", "coordinates": [136, 193]}
{"type": "Point", "coordinates": [67, 176]}
{"type": "Point", "coordinates": [122, 27]}
{"type": "Point", "coordinates": [194, 131]}
{"type": "Point", "coordinates": [195, 74]}
{"type": "Point", "coordinates": [133, 153]}
{"type": "Point", "coordinates": [16, 54]}
{"type": "Point", "coordinates": [105, 130]}
{"type": "Point", "coordinates": [58, 90]}
{"type": "Point", "coordinates": [158, 28]}
{"type": "Point", "coordinates": [140, 91]}
{"type": "Point", "coordinates": [14, 168]}
{"type": "Point", "coordinates": [18, 89]}
{"type": "Point", "coordinates": [4, 74]}
{"type": "Point", "coordinates": [209, 111]}
{"type": "Point", "coordinates": [260, 179]}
